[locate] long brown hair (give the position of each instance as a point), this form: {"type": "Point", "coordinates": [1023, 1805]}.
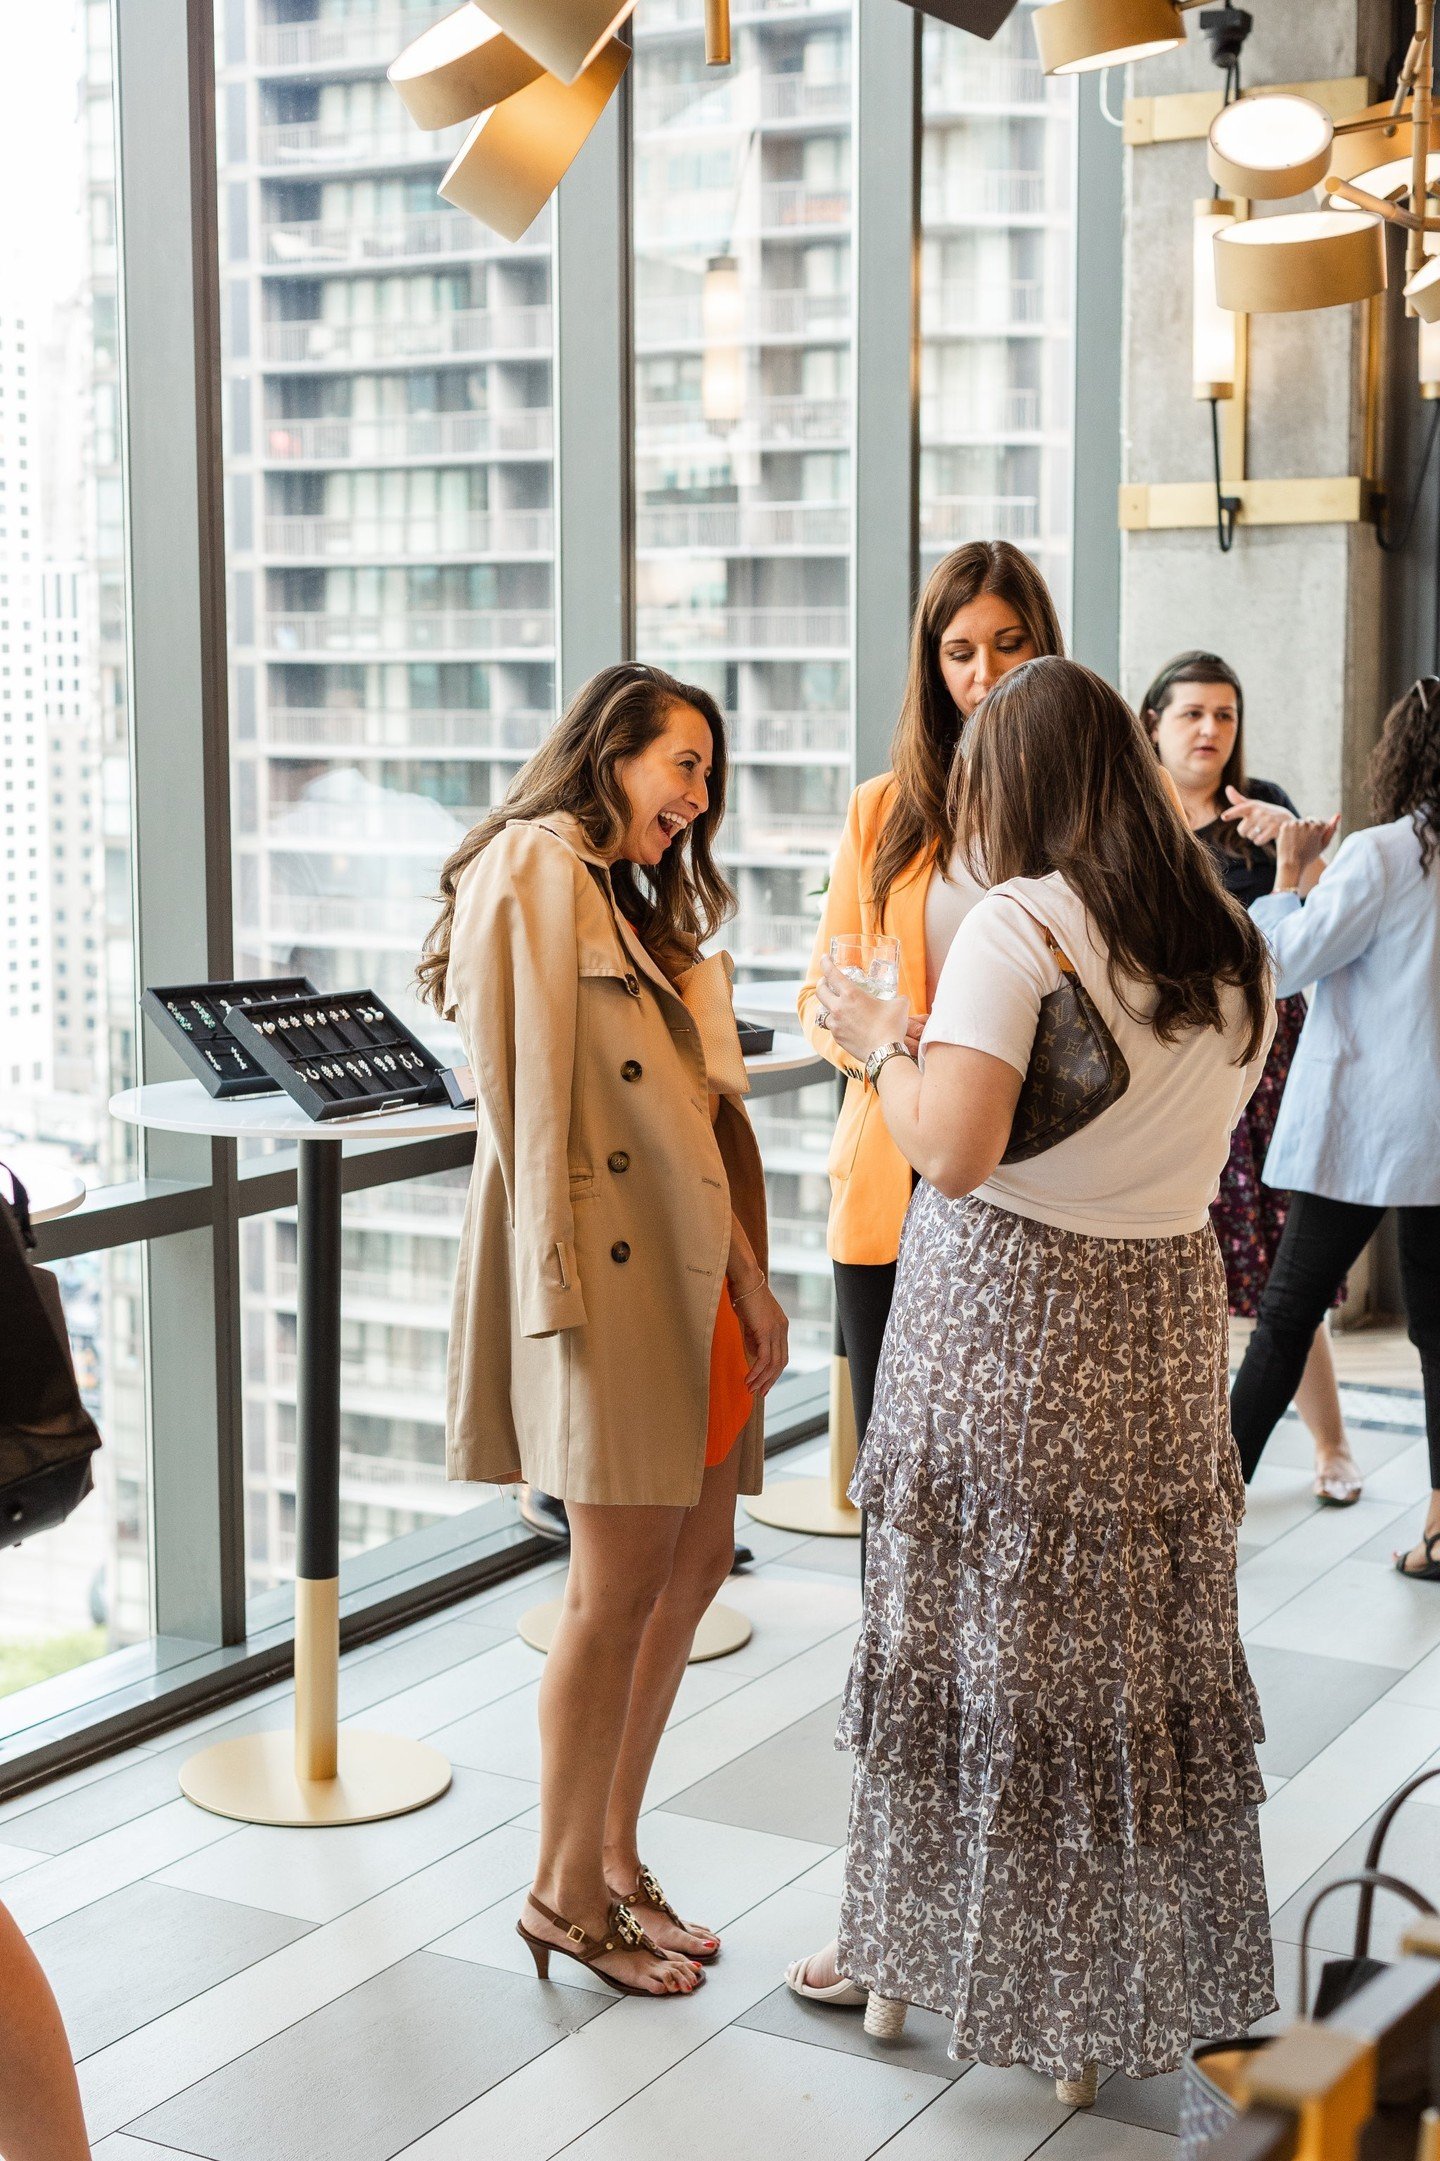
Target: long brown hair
{"type": "Point", "coordinates": [1057, 775]}
{"type": "Point", "coordinates": [675, 904]}
{"type": "Point", "coordinates": [1405, 766]}
{"type": "Point", "coordinates": [929, 726]}
{"type": "Point", "coordinates": [1202, 667]}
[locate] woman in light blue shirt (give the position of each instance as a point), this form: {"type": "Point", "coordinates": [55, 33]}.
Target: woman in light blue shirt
{"type": "Point", "coordinates": [1359, 1127]}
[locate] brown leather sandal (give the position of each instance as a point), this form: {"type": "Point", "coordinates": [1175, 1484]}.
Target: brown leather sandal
{"type": "Point", "coordinates": [622, 1933]}
{"type": "Point", "coordinates": [647, 1887]}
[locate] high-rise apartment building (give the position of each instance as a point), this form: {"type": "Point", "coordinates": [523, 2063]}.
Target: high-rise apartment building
{"type": "Point", "coordinates": [26, 1017]}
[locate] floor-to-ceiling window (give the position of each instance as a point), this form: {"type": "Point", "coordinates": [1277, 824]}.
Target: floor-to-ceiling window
{"type": "Point", "coordinates": [67, 1025]}
{"type": "Point", "coordinates": [743, 345]}
{"type": "Point", "coordinates": [997, 269]}
{"type": "Point", "coordinates": [392, 636]}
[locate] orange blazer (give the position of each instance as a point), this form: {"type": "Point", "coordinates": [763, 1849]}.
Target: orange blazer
{"type": "Point", "coordinates": [869, 1178]}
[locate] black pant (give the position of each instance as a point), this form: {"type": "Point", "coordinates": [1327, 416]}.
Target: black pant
{"type": "Point", "coordinates": [1321, 1242]}
{"type": "Point", "coordinates": [862, 1298]}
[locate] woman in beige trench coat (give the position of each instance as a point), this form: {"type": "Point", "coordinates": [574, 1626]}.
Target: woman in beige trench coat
{"type": "Point", "coordinates": [614, 1233]}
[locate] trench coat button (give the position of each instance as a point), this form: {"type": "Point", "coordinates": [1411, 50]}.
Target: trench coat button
{"type": "Point", "coordinates": [619, 1251]}
{"type": "Point", "coordinates": [619, 1161]}
{"type": "Point", "coordinates": [631, 1070]}
{"type": "Point", "coordinates": [632, 984]}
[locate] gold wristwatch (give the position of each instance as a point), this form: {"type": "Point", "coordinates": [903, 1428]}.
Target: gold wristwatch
{"type": "Point", "coordinates": [878, 1058]}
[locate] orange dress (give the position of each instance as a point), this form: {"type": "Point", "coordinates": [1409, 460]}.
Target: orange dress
{"type": "Point", "coordinates": [730, 1400]}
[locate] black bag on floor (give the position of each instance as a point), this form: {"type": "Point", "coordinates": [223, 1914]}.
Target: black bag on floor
{"type": "Point", "coordinates": [47, 1437]}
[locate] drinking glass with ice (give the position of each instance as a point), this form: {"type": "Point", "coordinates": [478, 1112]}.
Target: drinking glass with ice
{"type": "Point", "coordinates": [871, 960]}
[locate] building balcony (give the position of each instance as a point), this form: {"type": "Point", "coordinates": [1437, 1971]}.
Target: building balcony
{"type": "Point", "coordinates": [385, 1479]}
{"type": "Point", "coordinates": [773, 939]}
{"type": "Point", "coordinates": [386, 925]}
{"type": "Point", "coordinates": [790, 735]}
{"type": "Point", "coordinates": [983, 195]}
{"type": "Point", "coordinates": [772, 423]}
{"type": "Point", "coordinates": [318, 828]}
{"type": "Point", "coordinates": [328, 731]}
{"type": "Point", "coordinates": [400, 1391]}
{"type": "Point", "coordinates": [394, 1288]}
{"type": "Point", "coordinates": [946, 521]}
{"type": "Point", "coordinates": [767, 833]}
{"type": "Point", "coordinates": [370, 40]}
{"type": "Point", "coordinates": [949, 310]}
{"type": "Point", "coordinates": [527, 633]}
{"type": "Point", "coordinates": [668, 15]}
{"type": "Point", "coordinates": [736, 528]}
{"type": "Point", "coordinates": [471, 333]}
{"type": "Point", "coordinates": [982, 84]}
{"type": "Point", "coordinates": [311, 145]}
{"type": "Point", "coordinates": [789, 204]}
{"type": "Point", "coordinates": [310, 245]}
{"type": "Point", "coordinates": [739, 632]}
{"type": "Point", "coordinates": [504, 533]}
{"type": "Point", "coordinates": [406, 438]}
{"type": "Point", "coordinates": [981, 419]}
{"type": "Point", "coordinates": [744, 102]}
{"type": "Point", "coordinates": [770, 317]}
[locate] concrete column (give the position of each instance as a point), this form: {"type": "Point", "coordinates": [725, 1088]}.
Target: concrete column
{"type": "Point", "coordinates": [1297, 610]}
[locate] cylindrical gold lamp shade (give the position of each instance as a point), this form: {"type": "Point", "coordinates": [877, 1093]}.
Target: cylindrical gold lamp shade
{"type": "Point", "coordinates": [1376, 156]}
{"type": "Point", "coordinates": [1314, 259]}
{"type": "Point", "coordinates": [515, 156]}
{"type": "Point", "coordinates": [1270, 145]}
{"type": "Point", "coordinates": [1423, 291]}
{"type": "Point", "coordinates": [1077, 35]}
{"type": "Point", "coordinates": [459, 67]}
{"type": "Point", "coordinates": [563, 35]}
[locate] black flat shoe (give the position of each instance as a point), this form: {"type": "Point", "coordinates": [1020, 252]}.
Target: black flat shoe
{"type": "Point", "coordinates": [1430, 1573]}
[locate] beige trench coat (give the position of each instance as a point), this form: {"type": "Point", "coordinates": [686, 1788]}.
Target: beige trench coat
{"type": "Point", "coordinates": [597, 1226]}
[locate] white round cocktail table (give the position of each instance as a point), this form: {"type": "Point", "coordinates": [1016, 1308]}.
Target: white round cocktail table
{"type": "Point", "coordinates": [319, 1773]}
{"type": "Point", "coordinates": [53, 1187]}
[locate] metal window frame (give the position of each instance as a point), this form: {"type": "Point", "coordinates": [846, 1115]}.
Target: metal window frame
{"type": "Point", "coordinates": [188, 1204]}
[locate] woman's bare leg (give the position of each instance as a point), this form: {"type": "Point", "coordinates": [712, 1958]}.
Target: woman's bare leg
{"type": "Point", "coordinates": [40, 2114]}
{"type": "Point", "coordinates": [620, 1563]}
{"type": "Point", "coordinates": [704, 1552]}
{"type": "Point", "coordinates": [1317, 1399]}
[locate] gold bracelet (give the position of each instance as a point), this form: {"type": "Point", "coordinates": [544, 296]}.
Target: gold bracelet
{"type": "Point", "coordinates": [736, 1296]}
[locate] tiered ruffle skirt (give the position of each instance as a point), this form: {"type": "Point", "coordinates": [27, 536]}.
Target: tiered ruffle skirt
{"type": "Point", "coordinates": [1053, 1830]}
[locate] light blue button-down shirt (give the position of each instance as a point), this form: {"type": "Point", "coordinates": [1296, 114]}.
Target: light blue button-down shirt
{"type": "Point", "coordinates": [1360, 1117]}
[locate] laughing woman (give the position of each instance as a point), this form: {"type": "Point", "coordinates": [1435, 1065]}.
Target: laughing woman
{"type": "Point", "coordinates": [613, 1331]}
{"type": "Point", "coordinates": [1054, 1835]}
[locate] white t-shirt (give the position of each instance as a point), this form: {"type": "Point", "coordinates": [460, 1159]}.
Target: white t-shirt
{"type": "Point", "coordinates": [949, 897]}
{"type": "Point", "coordinates": [1149, 1166]}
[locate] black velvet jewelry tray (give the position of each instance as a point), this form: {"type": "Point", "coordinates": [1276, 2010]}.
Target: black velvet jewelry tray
{"type": "Point", "coordinates": [195, 1017]}
{"type": "Point", "coordinates": [340, 1054]}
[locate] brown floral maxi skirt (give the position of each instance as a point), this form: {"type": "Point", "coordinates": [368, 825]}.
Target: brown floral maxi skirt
{"type": "Point", "coordinates": [1053, 1832]}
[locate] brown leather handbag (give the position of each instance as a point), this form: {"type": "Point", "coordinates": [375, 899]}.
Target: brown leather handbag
{"type": "Point", "coordinates": [1076, 1070]}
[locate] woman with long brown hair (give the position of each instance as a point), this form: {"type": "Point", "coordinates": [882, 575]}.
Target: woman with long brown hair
{"type": "Point", "coordinates": [985, 610]}
{"type": "Point", "coordinates": [1194, 713]}
{"type": "Point", "coordinates": [614, 1334]}
{"type": "Point", "coordinates": [1054, 1835]}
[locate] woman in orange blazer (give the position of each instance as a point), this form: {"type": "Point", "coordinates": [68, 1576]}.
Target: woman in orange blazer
{"type": "Point", "coordinates": [985, 609]}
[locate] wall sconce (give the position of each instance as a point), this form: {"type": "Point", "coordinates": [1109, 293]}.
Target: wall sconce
{"type": "Point", "coordinates": [1215, 334]}
{"type": "Point", "coordinates": [722, 368]}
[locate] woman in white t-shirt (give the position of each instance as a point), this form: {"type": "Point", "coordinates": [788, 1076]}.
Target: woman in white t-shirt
{"type": "Point", "coordinates": [1053, 1830]}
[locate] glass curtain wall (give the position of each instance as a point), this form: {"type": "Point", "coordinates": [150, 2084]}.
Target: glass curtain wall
{"type": "Point", "coordinates": [996, 311]}
{"type": "Point", "coordinates": [66, 994]}
{"type": "Point", "coordinates": [389, 528]}
{"type": "Point", "coordinates": [743, 431]}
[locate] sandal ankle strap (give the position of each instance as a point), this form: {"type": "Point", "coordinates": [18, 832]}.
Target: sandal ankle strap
{"type": "Point", "coordinates": [622, 1932]}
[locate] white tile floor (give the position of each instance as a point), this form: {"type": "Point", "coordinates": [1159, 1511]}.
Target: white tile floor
{"type": "Point", "coordinates": [242, 1994]}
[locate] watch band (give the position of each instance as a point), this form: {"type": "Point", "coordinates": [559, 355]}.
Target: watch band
{"type": "Point", "coordinates": [882, 1057]}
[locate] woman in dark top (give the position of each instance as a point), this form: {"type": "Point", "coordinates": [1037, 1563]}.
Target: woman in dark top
{"type": "Point", "coordinates": [1195, 713]}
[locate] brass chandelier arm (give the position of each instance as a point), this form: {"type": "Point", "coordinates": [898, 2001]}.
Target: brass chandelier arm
{"type": "Point", "coordinates": [1391, 212]}
{"type": "Point", "coordinates": [1420, 132]}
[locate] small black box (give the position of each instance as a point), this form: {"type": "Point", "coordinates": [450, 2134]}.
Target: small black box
{"type": "Point", "coordinates": [195, 1017]}
{"type": "Point", "coordinates": [755, 1038]}
{"type": "Point", "coordinates": [340, 1054]}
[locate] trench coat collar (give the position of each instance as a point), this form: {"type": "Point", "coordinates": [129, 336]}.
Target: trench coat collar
{"type": "Point", "coordinates": [567, 827]}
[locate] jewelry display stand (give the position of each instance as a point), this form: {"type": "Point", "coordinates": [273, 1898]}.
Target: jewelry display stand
{"type": "Point", "coordinates": [320, 1773]}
